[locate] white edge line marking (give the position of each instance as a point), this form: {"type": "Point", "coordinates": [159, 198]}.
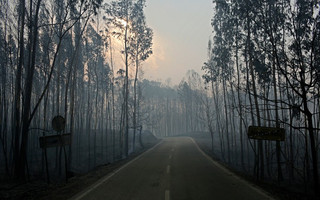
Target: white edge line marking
{"type": "Point", "coordinates": [168, 169]}
{"type": "Point", "coordinates": [254, 187]}
{"type": "Point", "coordinates": [108, 176]}
{"type": "Point", "coordinates": [167, 195]}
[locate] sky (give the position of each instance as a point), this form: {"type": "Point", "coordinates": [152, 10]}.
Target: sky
{"type": "Point", "coordinates": [181, 29]}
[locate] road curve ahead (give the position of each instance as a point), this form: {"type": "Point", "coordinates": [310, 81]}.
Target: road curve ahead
{"type": "Point", "coordinates": [175, 169]}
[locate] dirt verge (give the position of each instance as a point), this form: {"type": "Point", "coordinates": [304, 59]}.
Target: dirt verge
{"type": "Point", "coordinates": [34, 190]}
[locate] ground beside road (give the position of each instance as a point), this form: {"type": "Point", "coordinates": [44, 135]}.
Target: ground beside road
{"type": "Point", "coordinates": [37, 187]}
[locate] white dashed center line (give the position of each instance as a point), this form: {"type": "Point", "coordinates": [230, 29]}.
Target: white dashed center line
{"type": "Point", "coordinates": [167, 195]}
{"type": "Point", "coordinates": [168, 169]}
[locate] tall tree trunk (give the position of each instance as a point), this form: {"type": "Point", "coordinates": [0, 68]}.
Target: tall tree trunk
{"type": "Point", "coordinates": [226, 118]}
{"type": "Point", "coordinates": [4, 102]}
{"type": "Point", "coordinates": [26, 120]}
{"type": "Point", "coordinates": [310, 128]}
{"type": "Point", "coordinates": [233, 124]}
{"type": "Point", "coordinates": [113, 103]}
{"type": "Point", "coordinates": [255, 97]}
{"type": "Point", "coordinates": [278, 147]}
{"type": "Point", "coordinates": [135, 101]}
{"type": "Point", "coordinates": [17, 97]}
{"type": "Point", "coordinates": [126, 99]}
{"type": "Point", "coordinates": [239, 100]}
{"type": "Point", "coordinates": [215, 94]}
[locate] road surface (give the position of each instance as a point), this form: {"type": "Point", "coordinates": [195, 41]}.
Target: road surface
{"type": "Point", "coordinates": [175, 169]}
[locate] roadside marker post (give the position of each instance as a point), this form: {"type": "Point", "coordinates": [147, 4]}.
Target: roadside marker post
{"type": "Point", "coordinates": [59, 140]}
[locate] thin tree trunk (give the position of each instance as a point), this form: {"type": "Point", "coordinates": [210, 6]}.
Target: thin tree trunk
{"type": "Point", "coordinates": [255, 97]}
{"type": "Point", "coordinates": [239, 102]}
{"type": "Point", "coordinates": [26, 118]}
{"type": "Point", "coordinates": [226, 118]}
{"type": "Point", "coordinates": [278, 147]}
{"type": "Point", "coordinates": [126, 99]}
{"type": "Point", "coordinates": [311, 133]}
{"type": "Point", "coordinates": [17, 103]}
{"type": "Point", "coordinates": [135, 102]}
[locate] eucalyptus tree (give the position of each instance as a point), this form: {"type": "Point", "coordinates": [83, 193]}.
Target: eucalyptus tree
{"type": "Point", "coordinates": [291, 32]}
{"type": "Point", "coordinates": [249, 42]}
{"type": "Point", "coordinates": [302, 67]}
{"type": "Point", "coordinates": [186, 99]}
{"type": "Point", "coordinates": [120, 12]}
{"type": "Point", "coordinates": [7, 48]}
{"type": "Point", "coordinates": [97, 73]}
{"type": "Point", "coordinates": [206, 100]}
{"type": "Point", "coordinates": [17, 93]}
{"type": "Point", "coordinates": [271, 18]}
{"type": "Point", "coordinates": [140, 48]}
{"type": "Point", "coordinates": [46, 50]}
{"type": "Point", "coordinates": [189, 91]}
{"type": "Point", "coordinates": [28, 62]}
{"type": "Point", "coordinates": [222, 53]}
{"type": "Point", "coordinates": [197, 86]}
{"type": "Point", "coordinates": [161, 111]}
{"type": "Point", "coordinates": [210, 77]}
{"type": "Point", "coordinates": [107, 35]}
{"type": "Point", "coordinates": [279, 41]}
{"type": "Point", "coordinates": [128, 17]}
{"type": "Point", "coordinates": [238, 43]}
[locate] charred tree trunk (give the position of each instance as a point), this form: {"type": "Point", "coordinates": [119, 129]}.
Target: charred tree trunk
{"type": "Point", "coordinates": [17, 97]}
{"type": "Point", "coordinates": [26, 118]}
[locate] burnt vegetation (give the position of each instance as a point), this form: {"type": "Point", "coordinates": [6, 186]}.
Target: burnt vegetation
{"type": "Point", "coordinates": [62, 58]}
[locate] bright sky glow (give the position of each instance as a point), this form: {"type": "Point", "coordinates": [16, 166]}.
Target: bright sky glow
{"type": "Point", "coordinates": [182, 29]}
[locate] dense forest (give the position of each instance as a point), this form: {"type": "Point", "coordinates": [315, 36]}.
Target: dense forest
{"type": "Point", "coordinates": [263, 69]}
{"type": "Point", "coordinates": [82, 60]}
{"type": "Point", "coordinates": [57, 59]}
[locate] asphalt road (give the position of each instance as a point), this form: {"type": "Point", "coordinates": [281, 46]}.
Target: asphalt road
{"type": "Point", "coordinates": [175, 169]}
